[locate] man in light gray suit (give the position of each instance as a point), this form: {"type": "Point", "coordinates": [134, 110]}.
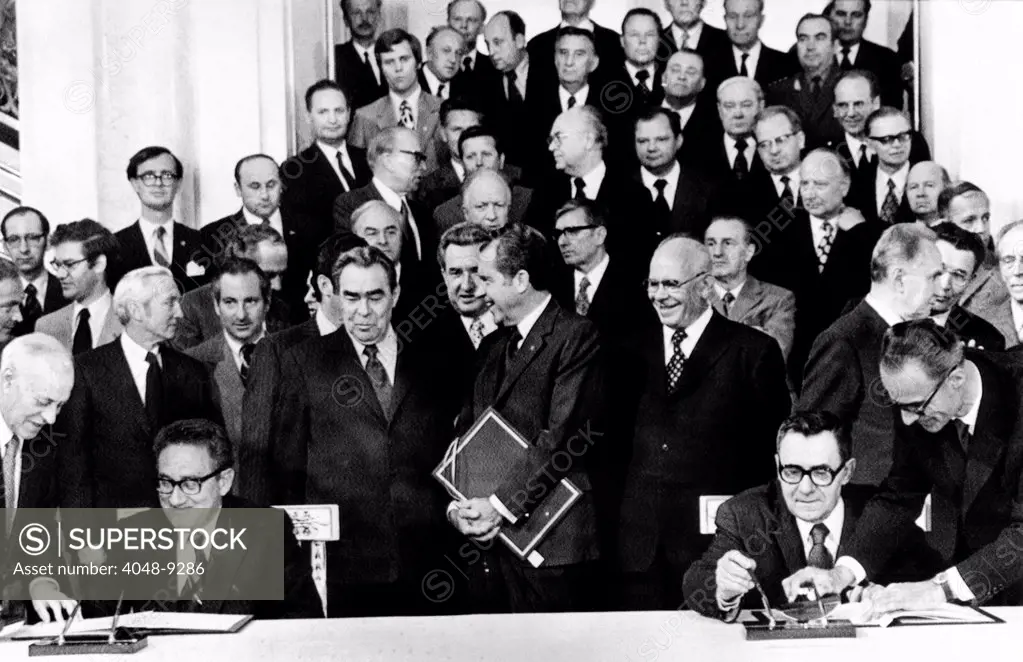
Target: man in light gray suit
{"type": "Point", "coordinates": [241, 295]}
{"type": "Point", "coordinates": [741, 297]}
{"type": "Point", "coordinates": [85, 257]}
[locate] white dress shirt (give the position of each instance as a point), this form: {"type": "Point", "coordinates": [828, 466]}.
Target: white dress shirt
{"type": "Point", "coordinates": [794, 180]}
{"type": "Point", "coordinates": [98, 311]}
{"type": "Point", "coordinates": [890, 317]}
{"type": "Point", "coordinates": [7, 437]}
{"type": "Point", "coordinates": [394, 200]}
{"type": "Point", "coordinates": [580, 96]}
{"type": "Point", "coordinates": [324, 325]}
{"type": "Point", "coordinates": [1017, 317]}
{"type": "Point", "coordinates": [650, 69]}
{"type": "Point", "coordinates": [137, 364]}
{"type": "Point", "coordinates": [489, 325]}
{"type": "Point", "coordinates": [834, 521]}
{"type": "Point", "coordinates": [236, 347]}
{"type": "Point", "coordinates": [585, 24]}
{"type": "Point", "coordinates": [592, 181]}
{"type": "Point", "coordinates": [387, 352]}
{"type": "Point", "coordinates": [413, 101]}
{"type": "Point", "coordinates": [40, 284]}
{"type": "Point", "coordinates": [671, 177]}
{"type": "Point", "coordinates": [459, 169]}
{"type": "Point", "coordinates": [732, 152]}
{"type": "Point", "coordinates": [371, 53]}
{"type": "Point", "coordinates": [275, 220]}
{"type": "Point", "coordinates": [521, 76]}
{"type": "Point", "coordinates": [854, 148]}
{"type": "Point", "coordinates": [693, 333]}
{"type": "Point", "coordinates": [594, 275]}
{"type": "Point", "coordinates": [331, 154]}
{"type": "Point", "coordinates": [684, 113]}
{"type": "Point", "coordinates": [751, 61]}
{"type": "Point", "coordinates": [148, 235]}
{"type": "Point", "coordinates": [881, 184]}
{"type": "Point", "coordinates": [854, 51]}
{"type": "Point", "coordinates": [721, 291]}
{"type": "Point", "coordinates": [435, 83]}
{"type": "Point", "coordinates": [694, 35]}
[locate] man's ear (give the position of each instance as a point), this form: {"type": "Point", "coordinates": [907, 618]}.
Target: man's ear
{"type": "Point", "coordinates": [850, 470]}
{"type": "Point", "coordinates": [224, 481]}
{"type": "Point", "coordinates": [326, 287]}
{"type": "Point", "coordinates": [237, 190]}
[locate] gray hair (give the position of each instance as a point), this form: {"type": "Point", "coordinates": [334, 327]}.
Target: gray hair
{"type": "Point", "coordinates": [735, 80]}
{"type": "Point", "coordinates": [33, 347]}
{"type": "Point", "coordinates": [371, 206]}
{"type": "Point", "coordinates": [899, 243]}
{"type": "Point", "coordinates": [135, 287]}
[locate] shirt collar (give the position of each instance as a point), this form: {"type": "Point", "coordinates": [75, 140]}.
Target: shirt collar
{"type": "Point", "coordinates": [324, 325]}
{"type": "Point", "coordinates": [472, 57]}
{"type": "Point", "coordinates": [413, 100]}
{"type": "Point", "coordinates": [40, 282]}
{"type": "Point", "coordinates": [793, 180]}
{"type": "Point", "coordinates": [899, 176]}
{"type": "Point", "coordinates": [834, 521]}
{"type": "Point", "coordinates": [252, 219]}
{"type": "Point", "coordinates": [488, 321]}
{"type": "Point", "coordinates": [853, 52]}
{"type": "Point", "coordinates": [970, 417]}
{"type": "Point", "coordinates": [580, 96]}
{"type": "Point", "coordinates": [594, 275]}
{"type": "Point", "coordinates": [390, 196]}
{"type": "Point", "coordinates": [388, 347]}
{"type": "Point", "coordinates": [754, 53]}
{"type": "Point", "coordinates": [694, 330]}
{"type": "Point", "coordinates": [148, 227]}
{"type": "Point", "coordinates": [432, 79]}
{"type": "Point", "coordinates": [650, 69]}
{"type": "Point", "coordinates": [585, 24]}
{"type": "Point", "coordinates": [593, 179]}
{"type": "Point", "coordinates": [362, 51]}
{"type": "Point", "coordinates": [694, 33]}
{"type": "Point", "coordinates": [890, 317]}
{"type": "Point", "coordinates": [236, 347]}
{"type": "Point", "coordinates": [721, 292]}
{"type": "Point", "coordinates": [649, 178]}
{"type": "Point", "coordinates": [526, 324]}
{"type": "Point", "coordinates": [134, 352]}
{"type": "Point", "coordinates": [98, 309]}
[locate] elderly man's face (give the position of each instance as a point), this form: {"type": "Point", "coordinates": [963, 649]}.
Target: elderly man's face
{"type": "Point", "coordinates": [381, 228]}
{"type": "Point", "coordinates": [444, 53]}
{"type": "Point", "coordinates": [743, 19]}
{"type": "Point", "coordinates": [684, 12]}
{"type": "Point", "coordinates": [575, 7]}
{"type": "Point", "coordinates": [570, 140]}
{"type": "Point", "coordinates": [32, 394]}
{"type": "Point", "coordinates": [1010, 262]}
{"type": "Point", "coordinates": [923, 187]}
{"type": "Point", "coordinates": [640, 40]}
{"type": "Point", "coordinates": [11, 295]}
{"type": "Point", "coordinates": [486, 203]}
{"type": "Point", "coordinates": [329, 114]}
{"type": "Point", "coordinates": [778, 145]}
{"type": "Point", "coordinates": [738, 106]}
{"type": "Point", "coordinates": [853, 104]}
{"type": "Point", "coordinates": [160, 315]}
{"type": "Point", "coordinates": [26, 242]}
{"type": "Point", "coordinates": [911, 388]}
{"type": "Point", "coordinates": [363, 17]}
{"type": "Point", "coordinates": [466, 16]}
{"type": "Point", "coordinates": [574, 59]}
{"type": "Point", "coordinates": [822, 185]}
{"type": "Point", "coordinates": [462, 279]}
{"type": "Point", "coordinates": [677, 291]}
{"type": "Point", "coordinates": [406, 162]}
{"type": "Point", "coordinates": [580, 242]}
{"type": "Point", "coordinates": [457, 122]}
{"type": "Point", "coordinates": [683, 77]}
{"type": "Point", "coordinates": [273, 260]}
{"type": "Point", "coordinates": [506, 49]}
{"type": "Point", "coordinates": [730, 248]}
{"type": "Point", "coordinates": [972, 212]}
{"type": "Point", "coordinates": [919, 282]}
{"type": "Point", "coordinates": [807, 500]}
{"type": "Point", "coordinates": [367, 302]}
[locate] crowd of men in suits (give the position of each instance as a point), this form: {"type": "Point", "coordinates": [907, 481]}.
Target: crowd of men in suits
{"type": "Point", "coordinates": [643, 250]}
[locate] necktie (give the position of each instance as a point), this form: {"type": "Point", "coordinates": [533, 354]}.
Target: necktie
{"type": "Point", "coordinates": [963, 432]}
{"type": "Point", "coordinates": [10, 503]}
{"type": "Point", "coordinates": [159, 250]}
{"type": "Point", "coordinates": [678, 359]}
{"type": "Point", "coordinates": [786, 191]}
{"type": "Point", "coordinates": [378, 377]}
{"type": "Point", "coordinates": [819, 556]}
{"type": "Point", "coordinates": [846, 58]}
{"type": "Point", "coordinates": [582, 300]}
{"type": "Point", "coordinates": [571, 101]}
{"type": "Point", "coordinates": [580, 187]}
{"type": "Point", "coordinates": [409, 250]}
{"type": "Point", "coordinates": [890, 206]}
{"type": "Point", "coordinates": [514, 96]}
{"type": "Point", "coordinates": [247, 350]}
{"type": "Point", "coordinates": [661, 202]}
{"type": "Point", "coordinates": [685, 40]}
{"type": "Point", "coordinates": [815, 85]}
{"type": "Point", "coordinates": [405, 111]}
{"type": "Point", "coordinates": [83, 334]}
{"type": "Point", "coordinates": [30, 308]}
{"type": "Point", "coordinates": [641, 77]}
{"type": "Point", "coordinates": [154, 391]}
{"type": "Point", "coordinates": [824, 247]}
{"type": "Point", "coordinates": [192, 586]}
{"type": "Point", "coordinates": [727, 302]}
{"type": "Point", "coordinates": [467, 65]}
{"type": "Point", "coordinates": [346, 175]}
{"type": "Point", "coordinates": [476, 334]}
{"type": "Point", "coordinates": [864, 161]}
{"type": "Point", "coordinates": [741, 166]}
{"type": "Point", "coordinates": [514, 338]}
{"type": "Point", "coordinates": [743, 71]}
{"type": "Point", "coordinates": [441, 89]}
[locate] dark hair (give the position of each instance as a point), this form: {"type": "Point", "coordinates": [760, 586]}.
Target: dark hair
{"type": "Point", "coordinates": [344, 8]}
{"type": "Point", "coordinates": [454, 104]}
{"type": "Point", "coordinates": [574, 32]}
{"type": "Point", "coordinates": [480, 131]}
{"type": "Point", "coordinates": [883, 112]}
{"type": "Point", "coordinates": [147, 153]}
{"type": "Point", "coordinates": [747, 227]}
{"type": "Point", "coordinates": [391, 38]}
{"type": "Point", "coordinates": [245, 240]}
{"type": "Point", "coordinates": [961, 240]}
{"type": "Point", "coordinates": [327, 256]}
{"type": "Point", "coordinates": [239, 266]}
{"type": "Point", "coordinates": [814, 422]}
{"type": "Point", "coordinates": [20, 211]}
{"type": "Point", "coordinates": [811, 16]}
{"type": "Point", "coordinates": [830, 7]}
{"type": "Point", "coordinates": [245, 159]}
{"type": "Point", "coordinates": [643, 11]}
{"type": "Point", "coordinates": [953, 191]}
{"type": "Point", "coordinates": [593, 210]}
{"type": "Point", "coordinates": [869, 76]}
{"type": "Point", "coordinates": [365, 257]}
{"type": "Point", "coordinates": [463, 234]}
{"type": "Point", "coordinates": [199, 433]}
{"type": "Point", "coordinates": [937, 348]}
{"type": "Point", "coordinates": [319, 86]}
{"type": "Point", "coordinates": [483, 9]}
{"type": "Point", "coordinates": [95, 239]}
{"type": "Point", "coordinates": [523, 248]}
{"type": "Point", "coordinates": [653, 112]}
{"type": "Point", "coordinates": [515, 22]}
{"type": "Point", "coordinates": [785, 111]}
{"type": "Point", "coordinates": [8, 271]}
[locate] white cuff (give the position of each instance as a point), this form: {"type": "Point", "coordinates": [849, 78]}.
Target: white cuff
{"type": "Point", "coordinates": [728, 607]}
{"type": "Point", "coordinates": [499, 507]}
{"type": "Point", "coordinates": [958, 585]}
{"type": "Point", "coordinates": [849, 563]}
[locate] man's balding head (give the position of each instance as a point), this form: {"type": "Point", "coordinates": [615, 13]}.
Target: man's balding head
{"type": "Point", "coordinates": [679, 283]}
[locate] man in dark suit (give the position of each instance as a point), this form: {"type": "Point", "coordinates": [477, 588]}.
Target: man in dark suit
{"type": "Point", "coordinates": [199, 319]}
{"type": "Point", "coordinates": [961, 254]}
{"type": "Point", "coordinates": [780, 140]}
{"type": "Point", "coordinates": [25, 231]}
{"type": "Point", "coordinates": [747, 55]}
{"type": "Point", "coordinates": [11, 296]}
{"type": "Point", "coordinates": [329, 167]}
{"type": "Point", "coordinates": [811, 92]}
{"type": "Point", "coordinates": [504, 92]}
{"type": "Point", "coordinates": [361, 424]}
{"type": "Point", "coordinates": [641, 30]}
{"type": "Point", "coordinates": [543, 375]}
{"type": "Point", "coordinates": [688, 31]}
{"type": "Point", "coordinates": [730, 159]}
{"type": "Point", "coordinates": [263, 387]}
{"type": "Point", "coordinates": [802, 519]}
{"type": "Point", "coordinates": [257, 182]}
{"type": "Point", "coordinates": [694, 371]}
{"type": "Point", "coordinates": [487, 201]}
{"type": "Point", "coordinates": [841, 374]}
{"type": "Point", "coordinates": [125, 392]}
{"type": "Point", "coordinates": [156, 238]}
{"type": "Point", "coordinates": [926, 181]}
{"type": "Point", "coordinates": [443, 46]}
{"type": "Point", "coordinates": [355, 64]}
{"type": "Point", "coordinates": [682, 83]}
{"type": "Point", "coordinates": [575, 14]}
{"type": "Point", "coordinates": [439, 186]}
{"type": "Point", "coordinates": [882, 196]}
{"type": "Point", "coordinates": [467, 18]}
{"type": "Point", "coordinates": [958, 437]}
{"type": "Point", "coordinates": [854, 52]}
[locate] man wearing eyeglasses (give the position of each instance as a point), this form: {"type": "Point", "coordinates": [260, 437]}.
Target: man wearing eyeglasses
{"type": "Point", "coordinates": [711, 393]}
{"type": "Point", "coordinates": [778, 132]}
{"type": "Point", "coordinates": [880, 191]}
{"type": "Point", "coordinates": [25, 231]}
{"type": "Point", "coordinates": [1008, 316]}
{"type": "Point", "coordinates": [767, 533]}
{"type": "Point", "coordinates": [85, 256]}
{"type": "Point", "coordinates": [156, 238]}
{"type": "Point", "coordinates": [958, 437]}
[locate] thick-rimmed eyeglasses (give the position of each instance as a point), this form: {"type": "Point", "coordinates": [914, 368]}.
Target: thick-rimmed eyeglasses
{"type": "Point", "coordinates": [774, 142]}
{"type": "Point", "coordinates": [821, 475]}
{"type": "Point", "coordinates": [66, 266]}
{"type": "Point", "coordinates": [31, 239]}
{"type": "Point", "coordinates": [572, 232]}
{"type": "Point", "coordinates": [151, 178]}
{"type": "Point", "coordinates": [189, 486]}
{"type": "Point", "coordinates": [420, 157]}
{"type": "Point", "coordinates": [897, 137]}
{"type": "Point", "coordinates": [670, 285]}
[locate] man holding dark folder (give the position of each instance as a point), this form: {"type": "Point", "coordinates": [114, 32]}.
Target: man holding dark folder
{"type": "Point", "coordinates": [542, 375]}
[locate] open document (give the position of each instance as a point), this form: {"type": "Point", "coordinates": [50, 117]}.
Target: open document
{"type": "Point", "coordinates": [152, 622]}
{"type": "Point", "coordinates": [858, 614]}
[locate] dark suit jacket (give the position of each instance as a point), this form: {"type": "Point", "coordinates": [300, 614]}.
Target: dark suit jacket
{"type": "Point", "coordinates": [974, 330]}
{"type": "Point", "coordinates": [712, 46]}
{"type": "Point", "coordinates": [713, 164]}
{"type": "Point", "coordinates": [53, 301]}
{"type": "Point", "coordinates": [696, 200]}
{"type": "Point", "coordinates": [470, 84]}
{"type": "Point", "coordinates": [687, 443]}
{"type": "Point", "coordinates": [773, 65]}
{"type": "Point", "coordinates": [550, 394]}
{"type": "Point", "coordinates": [615, 306]}
{"type": "Point", "coordinates": [884, 63]}
{"type": "Point", "coordinates": [356, 78]}
{"type": "Point", "coordinates": [450, 213]}
{"type": "Point", "coordinates": [106, 438]}
{"type": "Point", "coordinates": [843, 376]}
{"type": "Point", "coordinates": [445, 337]}
{"type": "Point", "coordinates": [819, 123]}
{"type": "Point", "coordinates": [507, 118]}
{"type": "Point", "coordinates": [443, 184]}
{"type": "Point", "coordinates": [335, 444]}
{"type": "Point", "coordinates": [864, 173]}
{"type": "Point", "coordinates": [311, 186]}
{"type": "Point", "coordinates": [700, 129]}
{"type": "Point", "coordinates": [134, 254]}
{"type": "Point", "coordinates": [542, 107]}
{"type": "Point", "coordinates": [199, 320]}
{"type": "Point", "coordinates": [977, 496]}
{"type": "Point", "coordinates": [541, 56]}
{"type": "Point", "coordinates": [227, 382]}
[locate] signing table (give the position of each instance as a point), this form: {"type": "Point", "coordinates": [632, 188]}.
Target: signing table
{"type": "Point", "coordinates": [617, 636]}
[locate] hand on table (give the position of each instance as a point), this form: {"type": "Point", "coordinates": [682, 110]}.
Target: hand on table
{"type": "Point", "coordinates": [915, 595]}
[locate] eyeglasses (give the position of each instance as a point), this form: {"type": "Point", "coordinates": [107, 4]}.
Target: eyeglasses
{"type": "Point", "coordinates": [774, 142]}
{"type": "Point", "coordinates": [670, 285]}
{"type": "Point", "coordinates": [189, 486]}
{"type": "Point", "coordinates": [572, 232]}
{"type": "Point", "coordinates": [918, 409]}
{"type": "Point", "coordinates": [66, 266]}
{"type": "Point", "coordinates": [889, 140]}
{"type": "Point", "coordinates": [30, 239]}
{"type": "Point", "coordinates": [420, 157]}
{"type": "Point", "coordinates": [821, 475]}
{"type": "Point", "coordinates": [165, 178]}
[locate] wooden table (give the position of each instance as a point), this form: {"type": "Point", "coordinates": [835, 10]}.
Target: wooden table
{"type": "Point", "coordinates": [617, 636]}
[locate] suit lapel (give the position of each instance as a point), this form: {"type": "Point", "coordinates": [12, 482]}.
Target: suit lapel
{"type": "Point", "coordinates": [709, 348]}
{"type": "Point", "coordinates": [111, 328]}
{"type": "Point", "coordinates": [986, 447]}
{"type": "Point", "coordinates": [786, 534]}
{"type": "Point", "coordinates": [531, 346]}
{"type": "Point", "coordinates": [122, 379]}
{"type": "Point", "coordinates": [349, 363]}
{"type": "Point", "coordinates": [749, 296]}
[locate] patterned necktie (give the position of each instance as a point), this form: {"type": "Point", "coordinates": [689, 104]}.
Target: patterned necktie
{"type": "Point", "coordinates": [159, 249]}
{"type": "Point", "coordinates": [580, 188]}
{"type": "Point", "coordinates": [678, 359]}
{"type": "Point", "coordinates": [10, 503]}
{"type": "Point", "coordinates": [476, 334]}
{"type": "Point", "coordinates": [247, 350]}
{"type": "Point", "coordinates": [786, 191]}
{"type": "Point", "coordinates": [743, 71]}
{"type": "Point", "coordinates": [846, 58]}
{"type": "Point", "coordinates": [30, 308]}
{"type": "Point", "coordinates": [741, 166]}
{"type": "Point", "coordinates": [824, 246]}
{"type": "Point", "coordinates": [819, 556]}
{"type": "Point", "coordinates": [346, 175]}
{"type": "Point", "coordinates": [890, 206]}
{"type": "Point", "coordinates": [727, 302]}
{"type": "Point", "coordinates": [582, 300]}
{"type": "Point", "coordinates": [154, 391]}
{"type": "Point", "coordinates": [685, 40]}
{"type": "Point", "coordinates": [514, 96]}
{"type": "Point", "coordinates": [83, 334]}
{"type": "Point", "coordinates": [641, 78]}
{"type": "Point", "coordinates": [378, 377]}
{"type": "Point", "coordinates": [571, 101]}
{"type": "Point", "coordinates": [405, 112]}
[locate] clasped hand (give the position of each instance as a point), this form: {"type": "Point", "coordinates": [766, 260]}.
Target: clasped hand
{"type": "Point", "coordinates": [476, 518]}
